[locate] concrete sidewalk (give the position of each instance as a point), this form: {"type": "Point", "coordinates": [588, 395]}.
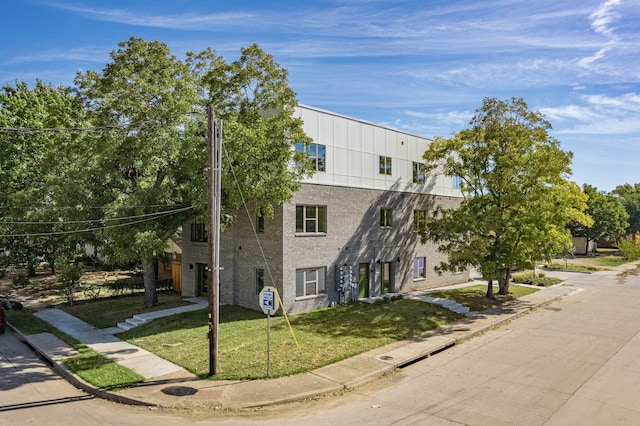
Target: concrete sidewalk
{"type": "Point", "coordinates": [171, 386]}
{"type": "Point", "coordinates": [144, 363]}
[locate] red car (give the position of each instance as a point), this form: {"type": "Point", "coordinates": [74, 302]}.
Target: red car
{"type": "Point", "coordinates": [3, 322]}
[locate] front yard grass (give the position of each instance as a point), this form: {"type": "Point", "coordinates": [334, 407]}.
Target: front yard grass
{"type": "Point", "coordinates": [474, 296]}
{"type": "Point", "coordinates": [559, 266]}
{"type": "Point", "coordinates": [325, 336]}
{"type": "Point", "coordinates": [107, 312]}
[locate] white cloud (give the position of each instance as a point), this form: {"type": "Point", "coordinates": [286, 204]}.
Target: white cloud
{"type": "Point", "coordinates": [603, 16]}
{"type": "Point", "coordinates": [175, 21]}
{"type": "Point", "coordinates": [628, 101]}
{"type": "Point", "coordinates": [82, 54]}
{"type": "Point", "coordinates": [600, 114]}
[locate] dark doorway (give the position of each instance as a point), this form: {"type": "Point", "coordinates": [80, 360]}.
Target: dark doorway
{"type": "Point", "coordinates": [386, 274]}
{"type": "Point", "coordinates": [202, 279]}
{"type": "Point", "coordinates": [363, 280]}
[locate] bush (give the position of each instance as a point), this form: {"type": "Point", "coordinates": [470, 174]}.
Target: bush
{"type": "Point", "coordinates": [630, 249]}
{"type": "Point", "coordinates": [166, 284]}
{"type": "Point", "coordinates": [539, 280]}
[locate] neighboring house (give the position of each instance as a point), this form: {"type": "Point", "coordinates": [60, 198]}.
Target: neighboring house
{"type": "Point", "coordinates": [358, 213]}
{"type": "Point", "coordinates": [580, 246]}
{"type": "Point", "coordinates": [170, 266]}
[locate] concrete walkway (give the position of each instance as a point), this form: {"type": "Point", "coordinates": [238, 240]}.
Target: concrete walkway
{"type": "Point", "coordinates": [171, 386]}
{"type": "Point", "coordinates": [144, 363]}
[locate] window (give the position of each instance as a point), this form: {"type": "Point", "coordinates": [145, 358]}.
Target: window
{"type": "Point", "coordinates": [419, 219]}
{"type": "Point", "coordinates": [311, 219]}
{"type": "Point", "coordinates": [167, 261]}
{"type": "Point", "coordinates": [457, 182]}
{"type": "Point", "coordinates": [418, 173]}
{"type": "Point", "coordinates": [419, 271]}
{"type": "Point", "coordinates": [198, 232]}
{"type": "Point", "coordinates": [317, 154]}
{"type": "Point", "coordinates": [259, 280]}
{"type": "Point", "coordinates": [385, 218]}
{"type": "Point", "coordinates": [385, 165]}
{"type": "Point", "coordinates": [260, 223]}
{"type": "Point", "coordinates": [310, 282]}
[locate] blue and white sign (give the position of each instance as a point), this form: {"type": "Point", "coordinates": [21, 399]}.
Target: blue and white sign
{"type": "Point", "coordinates": [269, 302]}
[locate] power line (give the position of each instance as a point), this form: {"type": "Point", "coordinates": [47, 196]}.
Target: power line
{"type": "Point", "coordinates": [68, 222]}
{"type": "Point", "coordinates": [145, 123]}
{"type": "Point", "coordinates": [77, 207]}
{"type": "Point", "coordinates": [77, 231]}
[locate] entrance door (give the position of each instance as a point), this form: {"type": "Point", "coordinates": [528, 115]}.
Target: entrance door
{"type": "Point", "coordinates": [202, 279]}
{"type": "Point", "coordinates": [385, 269]}
{"type": "Point", "coordinates": [363, 280]}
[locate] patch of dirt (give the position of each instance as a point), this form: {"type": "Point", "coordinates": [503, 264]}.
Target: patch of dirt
{"type": "Point", "coordinates": [45, 290]}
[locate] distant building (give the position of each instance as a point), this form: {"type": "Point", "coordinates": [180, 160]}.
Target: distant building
{"type": "Point", "coordinates": [349, 232]}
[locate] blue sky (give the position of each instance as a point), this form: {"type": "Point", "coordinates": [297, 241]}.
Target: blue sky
{"type": "Point", "coordinates": [422, 66]}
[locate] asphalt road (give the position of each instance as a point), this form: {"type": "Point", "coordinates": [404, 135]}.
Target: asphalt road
{"type": "Point", "coordinates": [574, 362]}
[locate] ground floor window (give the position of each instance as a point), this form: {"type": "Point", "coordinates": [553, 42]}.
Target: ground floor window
{"type": "Point", "coordinates": [310, 282]}
{"type": "Point", "coordinates": [419, 271]}
{"type": "Point", "coordinates": [259, 280]}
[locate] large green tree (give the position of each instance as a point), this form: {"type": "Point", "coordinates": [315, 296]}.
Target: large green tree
{"type": "Point", "coordinates": [151, 157]}
{"type": "Point", "coordinates": [143, 99]}
{"type": "Point", "coordinates": [517, 198]}
{"type": "Point", "coordinates": [608, 214]}
{"type": "Point", "coordinates": [630, 197]}
{"type": "Point", "coordinates": [38, 212]}
{"type": "Point", "coordinates": [253, 98]}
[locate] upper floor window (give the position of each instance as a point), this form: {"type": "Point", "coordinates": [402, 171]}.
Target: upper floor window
{"type": "Point", "coordinates": [385, 218]}
{"type": "Point", "coordinates": [419, 220]}
{"type": "Point", "coordinates": [457, 181]}
{"type": "Point", "coordinates": [385, 165]}
{"type": "Point", "coordinates": [317, 155]}
{"type": "Point", "coordinates": [310, 282]}
{"type": "Point", "coordinates": [311, 219]}
{"type": "Point", "coordinates": [198, 231]}
{"type": "Point", "coordinates": [260, 223]}
{"type": "Point", "coordinates": [418, 173]}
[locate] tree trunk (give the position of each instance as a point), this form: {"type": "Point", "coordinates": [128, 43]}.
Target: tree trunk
{"type": "Point", "coordinates": [503, 282]}
{"type": "Point", "coordinates": [149, 277]}
{"type": "Point", "coordinates": [490, 290]}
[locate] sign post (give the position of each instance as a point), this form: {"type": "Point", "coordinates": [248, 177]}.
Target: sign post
{"type": "Point", "coordinates": [269, 303]}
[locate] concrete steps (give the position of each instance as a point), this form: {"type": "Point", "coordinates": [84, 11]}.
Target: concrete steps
{"type": "Point", "coordinates": [449, 304]}
{"type": "Point", "coordinates": [130, 323]}
{"type": "Point", "coordinates": [138, 320]}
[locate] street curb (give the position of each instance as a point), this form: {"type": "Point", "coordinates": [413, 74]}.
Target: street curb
{"type": "Point", "coordinates": [76, 380]}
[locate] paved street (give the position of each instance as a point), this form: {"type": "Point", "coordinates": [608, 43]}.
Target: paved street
{"type": "Point", "coordinates": [575, 362]}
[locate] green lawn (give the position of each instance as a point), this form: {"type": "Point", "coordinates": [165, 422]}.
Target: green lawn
{"type": "Point", "coordinates": [612, 260]}
{"type": "Point", "coordinates": [562, 266]}
{"type": "Point", "coordinates": [324, 336]}
{"type": "Point", "coordinates": [107, 312]}
{"type": "Point", "coordinates": [474, 296]}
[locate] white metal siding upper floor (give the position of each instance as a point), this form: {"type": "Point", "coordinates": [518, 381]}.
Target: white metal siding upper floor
{"type": "Point", "coordinates": [353, 150]}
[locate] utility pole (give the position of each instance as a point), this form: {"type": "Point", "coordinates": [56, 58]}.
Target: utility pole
{"type": "Point", "coordinates": [214, 154]}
